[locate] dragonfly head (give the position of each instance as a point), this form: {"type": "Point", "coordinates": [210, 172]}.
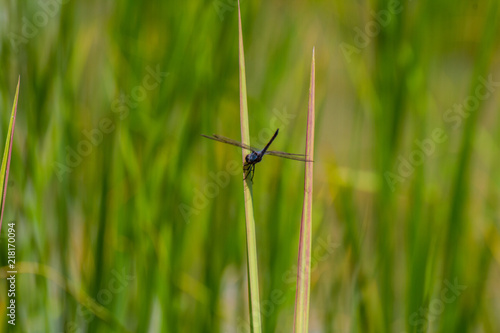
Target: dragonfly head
{"type": "Point", "coordinates": [253, 157]}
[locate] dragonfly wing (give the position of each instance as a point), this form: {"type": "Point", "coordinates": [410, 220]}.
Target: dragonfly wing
{"type": "Point", "coordinates": [281, 153]}
{"type": "Point", "coordinates": [297, 157]}
{"type": "Point", "coordinates": [223, 139]}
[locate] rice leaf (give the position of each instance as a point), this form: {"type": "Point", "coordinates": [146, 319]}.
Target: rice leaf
{"type": "Point", "coordinates": [4, 171]}
{"type": "Point", "coordinates": [253, 273]}
{"type": "Point", "coordinates": [302, 297]}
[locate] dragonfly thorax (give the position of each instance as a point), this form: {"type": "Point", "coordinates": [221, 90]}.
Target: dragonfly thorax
{"type": "Point", "coordinates": [253, 157]}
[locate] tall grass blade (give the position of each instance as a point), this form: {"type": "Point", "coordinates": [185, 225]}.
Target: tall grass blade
{"type": "Point", "coordinates": [4, 171]}
{"type": "Point", "coordinates": [253, 273]}
{"type": "Point", "coordinates": [301, 322]}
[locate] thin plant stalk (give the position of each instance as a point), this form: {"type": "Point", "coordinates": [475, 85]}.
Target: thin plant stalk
{"type": "Point", "coordinates": [302, 297]}
{"type": "Point", "coordinates": [253, 273]}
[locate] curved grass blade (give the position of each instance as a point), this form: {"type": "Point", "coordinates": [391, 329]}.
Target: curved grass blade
{"type": "Point", "coordinates": [4, 171]}
{"type": "Point", "coordinates": [301, 317]}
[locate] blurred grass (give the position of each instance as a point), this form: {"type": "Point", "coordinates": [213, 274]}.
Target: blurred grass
{"type": "Point", "coordinates": [387, 254]}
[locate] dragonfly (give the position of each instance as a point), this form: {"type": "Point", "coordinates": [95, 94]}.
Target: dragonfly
{"type": "Point", "coordinates": [256, 155]}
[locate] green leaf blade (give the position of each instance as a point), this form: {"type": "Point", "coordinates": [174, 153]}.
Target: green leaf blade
{"type": "Point", "coordinates": [4, 171]}
{"type": "Point", "coordinates": [253, 272]}
{"type": "Point", "coordinates": [302, 297]}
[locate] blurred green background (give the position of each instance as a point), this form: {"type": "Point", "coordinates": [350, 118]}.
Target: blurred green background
{"type": "Point", "coordinates": [127, 219]}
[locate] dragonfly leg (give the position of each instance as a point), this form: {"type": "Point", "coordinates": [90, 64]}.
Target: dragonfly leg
{"type": "Point", "coordinates": [247, 169]}
{"type": "Point", "coordinates": [253, 172]}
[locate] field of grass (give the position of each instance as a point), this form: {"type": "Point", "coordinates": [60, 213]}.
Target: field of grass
{"type": "Point", "coordinates": [127, 219]}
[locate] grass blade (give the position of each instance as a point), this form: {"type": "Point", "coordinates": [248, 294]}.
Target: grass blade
{"type": "Point", "coordinates": [301, 318]}
{"type": "Point", "coordinates": [4, 171]}
{"type": "Point", "coordinates": [253, 273]}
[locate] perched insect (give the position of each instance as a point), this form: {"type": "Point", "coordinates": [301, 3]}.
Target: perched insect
{"type": "Point", "coordinates": [256, 155]}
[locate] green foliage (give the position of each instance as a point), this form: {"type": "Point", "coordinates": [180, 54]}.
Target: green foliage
{"type": "Point", "coordinates": [114, 191]}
